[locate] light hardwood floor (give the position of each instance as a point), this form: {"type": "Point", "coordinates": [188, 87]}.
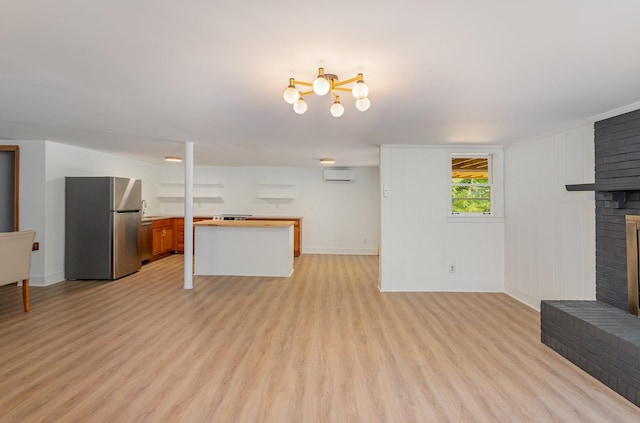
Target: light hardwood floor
{"type": "Point", "coordinates": [322, 346]}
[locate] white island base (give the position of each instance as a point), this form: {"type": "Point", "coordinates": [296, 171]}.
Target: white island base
{"type": "Point", "coordinates": [243, 248]}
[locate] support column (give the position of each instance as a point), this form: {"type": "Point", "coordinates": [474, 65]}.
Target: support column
{"type": "Point", "coordinates": [188, 215]}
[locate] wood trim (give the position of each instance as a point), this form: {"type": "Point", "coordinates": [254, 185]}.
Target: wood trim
{"type": "Point", "coordinates": [632, 226]}
{"type": "Point", "coordinates": [16, 183]}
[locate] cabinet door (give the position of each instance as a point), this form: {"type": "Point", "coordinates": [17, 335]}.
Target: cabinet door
{"type": "Point", "coordinates": [163, 237]}
{"type": "Point", "coordinates": [180, 234]}
{"type": "Point", "coordinates": [168, 241]}
{"type": "Point", "coordinates": [157, 241]}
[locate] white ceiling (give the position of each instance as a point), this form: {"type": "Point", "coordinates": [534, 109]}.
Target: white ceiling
{"type": "Point", "coordinates": [139, 77]}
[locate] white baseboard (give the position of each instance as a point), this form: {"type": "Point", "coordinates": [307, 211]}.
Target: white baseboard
{"type": "Point", "coordinates": [526, 299]}
{"type": "Point", "coordinates": [342, 251]}
{"type": "Point", "coordinates": [47, 280]}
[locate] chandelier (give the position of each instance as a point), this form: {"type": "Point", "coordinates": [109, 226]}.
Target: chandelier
{"type": "Point", "coordinates": [328, 83]}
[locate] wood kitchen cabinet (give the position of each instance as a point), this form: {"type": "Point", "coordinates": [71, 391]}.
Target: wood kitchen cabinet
{"type": "Point", "coordinates": [164, 239]}
{"type": "Point", "coordinates": [180, 231]}
{"type": "Point", "coordinates": [297, 230]}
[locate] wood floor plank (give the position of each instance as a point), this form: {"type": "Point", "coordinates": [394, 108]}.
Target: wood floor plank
{"type": "Point", "coordinates": [322, 346]}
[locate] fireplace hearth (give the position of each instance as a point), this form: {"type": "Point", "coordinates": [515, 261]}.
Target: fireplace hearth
{"type": "Point", "coordinates": [601, 339]}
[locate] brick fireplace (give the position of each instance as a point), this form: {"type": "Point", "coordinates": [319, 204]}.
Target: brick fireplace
{"type": "Point", "coordinates": [603, 337]}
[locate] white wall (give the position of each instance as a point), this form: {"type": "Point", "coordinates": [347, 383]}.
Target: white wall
{"type": "Point", "coordinates": [550, 232]}
{"type": "Point", "coordinates": [32, 200]}
{"type": "Point", "coordinates": [64, 160]}
{"type": "Point", "coordinates": [338, 217]}
{"type": "Point", "coordinates": [43, 166]}
{"type": "Point", "coordinates": [418, 241]}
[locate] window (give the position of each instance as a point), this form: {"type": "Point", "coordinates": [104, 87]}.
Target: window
{"type": "Point", "coordinates": [471, 184]}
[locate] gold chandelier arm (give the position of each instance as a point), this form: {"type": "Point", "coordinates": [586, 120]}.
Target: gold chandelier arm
{"type": "Point", "coordinates": [342, 89]}
{"type": "Point", "coordinates": [349, 81]}
{"type": "Point", "coordinates": [307, 84]}
{"type": "Point", "coordinates": [302, 94]}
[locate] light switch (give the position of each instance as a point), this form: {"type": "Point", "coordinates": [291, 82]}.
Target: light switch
{"type": "Point", "coordinates": [385, 191]}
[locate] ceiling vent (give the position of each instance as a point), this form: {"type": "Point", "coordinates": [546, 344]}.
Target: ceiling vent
{"type": "Point", "coordinates": [339, 175]}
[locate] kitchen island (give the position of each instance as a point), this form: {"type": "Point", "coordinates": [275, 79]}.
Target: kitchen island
{"type": "Point", "coordinates": [297, 229]}
{"type": "Point", "coordinates": [244, 247]}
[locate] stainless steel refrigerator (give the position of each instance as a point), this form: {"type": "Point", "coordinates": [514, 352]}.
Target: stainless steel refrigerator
{"type": "Point", "coordinates": [102, 217]}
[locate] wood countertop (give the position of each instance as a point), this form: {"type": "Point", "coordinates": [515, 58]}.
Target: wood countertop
{"type": "Point", "coordinates": [267, 217]}
{"type": "Point", "coordinates": [159, 217]}
{"type": "Point", "coordinates": [246, 223]}
{"type": "Point", "coordinates": [248, 217]}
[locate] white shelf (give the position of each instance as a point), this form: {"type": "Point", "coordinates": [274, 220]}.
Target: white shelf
{"type": "Point", "coordinates": [207, 197]}
{"type": "Point", "coordinates": [276, 185]}
{"type": "Point", "coordinates": [200, 191]}
{"type": "Point", "coordinates": [276, 191]}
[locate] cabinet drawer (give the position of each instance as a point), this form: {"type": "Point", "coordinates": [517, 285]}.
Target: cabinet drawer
{"type": "Point", "coordinates": [163, 223]}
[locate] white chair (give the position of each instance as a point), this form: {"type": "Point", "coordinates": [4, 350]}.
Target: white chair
{"type": "Point", "coordinates": [15, 259]}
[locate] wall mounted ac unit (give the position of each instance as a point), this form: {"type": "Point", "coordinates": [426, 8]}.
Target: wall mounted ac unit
{"type": "Point", "coordinates": [339, 175]}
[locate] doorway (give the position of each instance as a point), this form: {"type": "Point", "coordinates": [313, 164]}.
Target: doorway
{"type": "Point", "coordinates": [9, 182]}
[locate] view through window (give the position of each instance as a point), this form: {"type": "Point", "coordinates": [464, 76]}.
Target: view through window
{"type": "Point", "coordinates": [471, 185]}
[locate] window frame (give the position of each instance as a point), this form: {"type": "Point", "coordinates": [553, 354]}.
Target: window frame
{"type": "Point", "coordinates": [487, 184]}
{"type": "Point", "coordinates": [496, 182]}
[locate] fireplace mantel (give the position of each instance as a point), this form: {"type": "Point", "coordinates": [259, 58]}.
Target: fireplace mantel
{"type": "Point", "coordinates": [581, 187]}
{"type": "Point", "coordinates": [605, 187]}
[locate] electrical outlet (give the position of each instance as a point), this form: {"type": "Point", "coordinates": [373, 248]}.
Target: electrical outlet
{"type": "Point", "coordinates": [452, 268]}
{"type": "Point", "coordinates": [364, 240]}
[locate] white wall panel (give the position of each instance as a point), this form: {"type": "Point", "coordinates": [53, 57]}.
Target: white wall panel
{"type": "Point", "coordinates": [550, 232]}
{"type": "Point", "coordinates": [418, 242]}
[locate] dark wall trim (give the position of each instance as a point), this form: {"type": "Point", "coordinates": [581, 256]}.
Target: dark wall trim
{"type": "Point", "coordinates": [16, 183]}
{"type": "Point", "coordinates": [580, 187]}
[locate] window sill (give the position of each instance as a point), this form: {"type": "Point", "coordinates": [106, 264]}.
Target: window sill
{"type": "Point", "coordinates": [475, 219]}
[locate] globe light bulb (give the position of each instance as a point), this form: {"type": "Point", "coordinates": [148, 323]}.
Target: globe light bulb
{"type": "Point", "coordinates": [363, 104]}
{"type": "Point", "coordinates": [336, 109]}
{"type": "Point", "coordinates": [360, 90]}
{"type": "Point", "coordinates": [321, 85]}
{"type": "Point", "coordinates": [300, 106]}
{"type": "Point", "coordinates": [291, 94]}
